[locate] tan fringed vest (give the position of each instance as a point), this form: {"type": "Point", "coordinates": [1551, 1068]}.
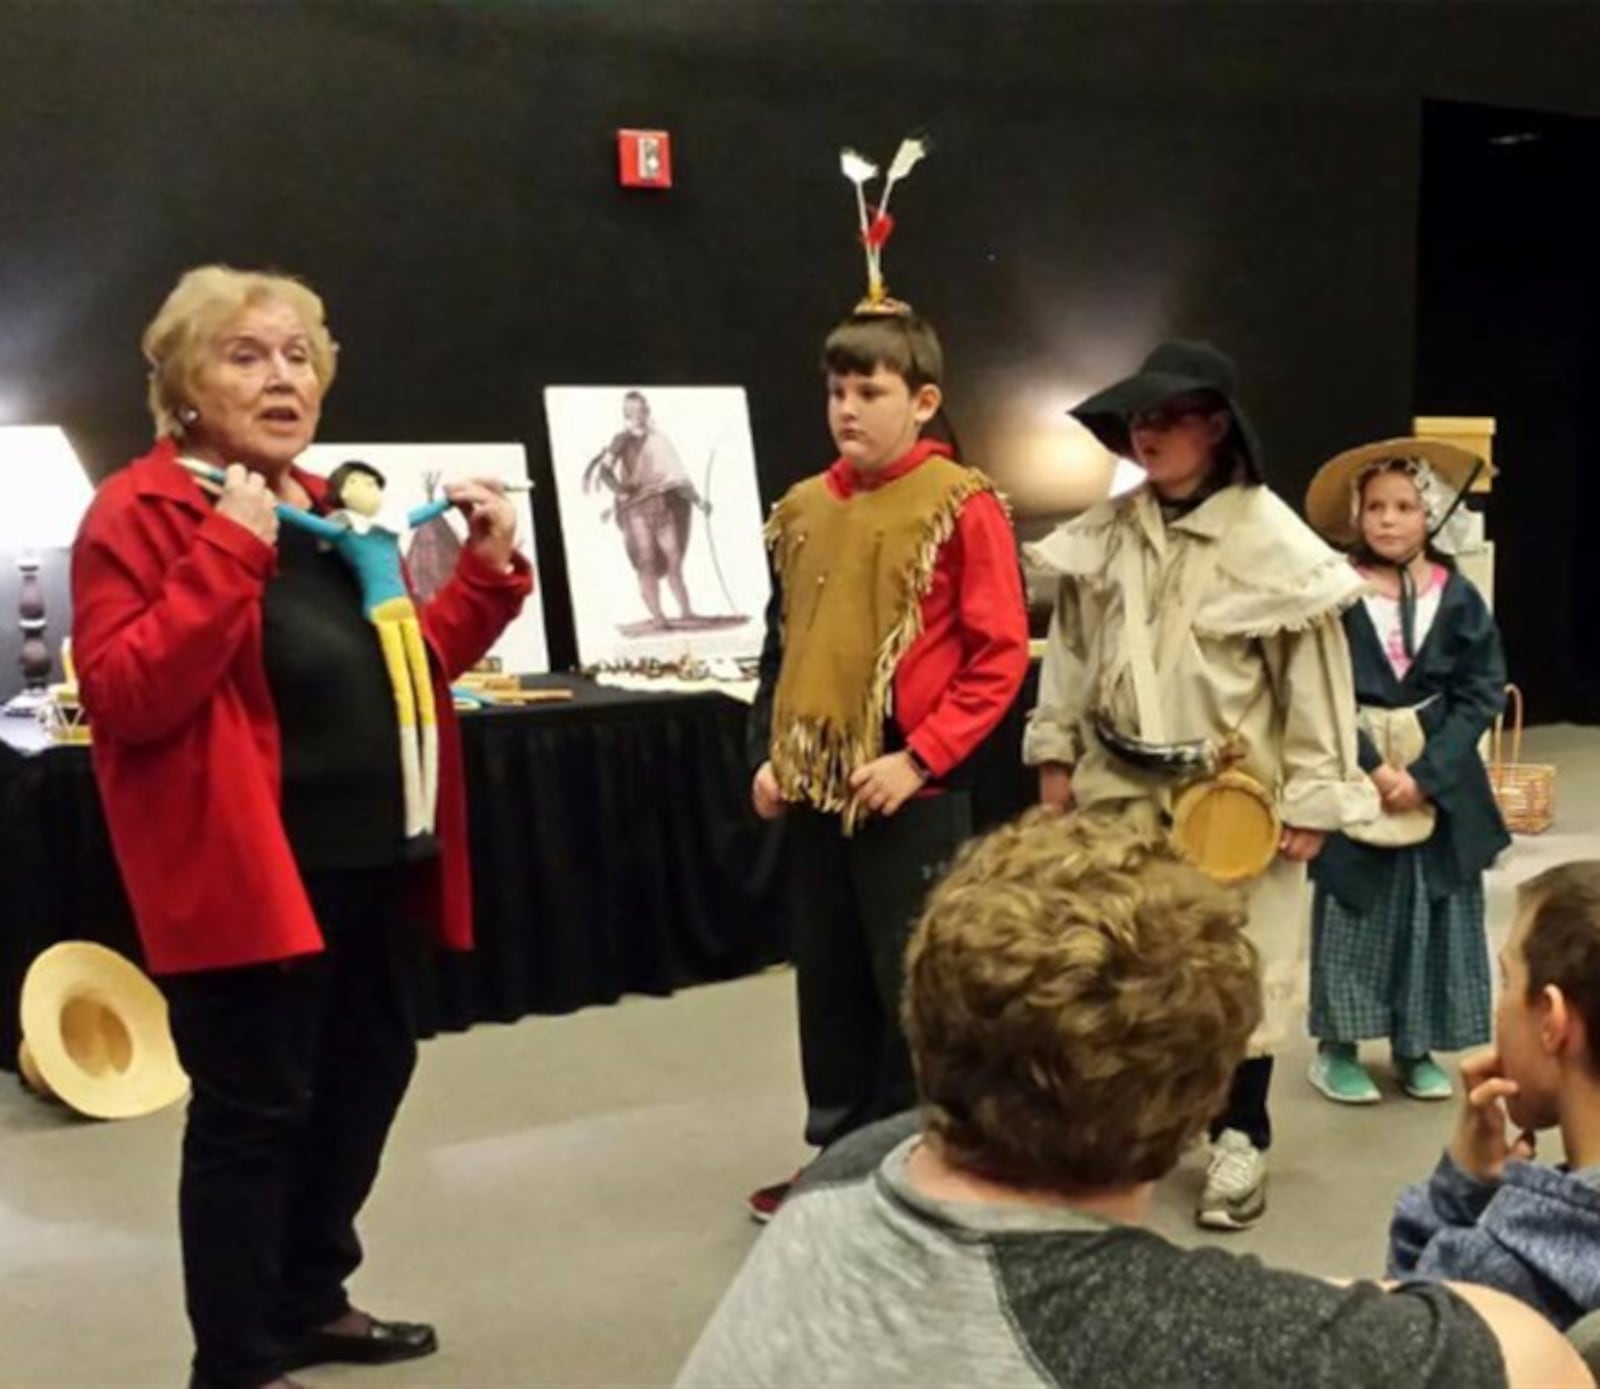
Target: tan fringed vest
{"type": "Point", "coordinates": [854, 573]}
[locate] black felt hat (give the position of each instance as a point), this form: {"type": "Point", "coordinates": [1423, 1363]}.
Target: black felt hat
{"type": "Point", "coordinates": [1177, 368]}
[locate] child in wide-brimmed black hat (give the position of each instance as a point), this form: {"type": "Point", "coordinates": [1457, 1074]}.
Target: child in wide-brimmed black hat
{"type": "Point", "coordinates": [1196, 628]}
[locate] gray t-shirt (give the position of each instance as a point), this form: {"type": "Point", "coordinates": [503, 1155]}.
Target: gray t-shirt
{"type": "Point", "coordinates": [863, 1281]}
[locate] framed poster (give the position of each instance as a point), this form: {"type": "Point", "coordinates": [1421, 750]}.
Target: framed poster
{"type": "Point", "coordinates": [413, 474]}
{"type": "Point", "coordinates": [661, 521]}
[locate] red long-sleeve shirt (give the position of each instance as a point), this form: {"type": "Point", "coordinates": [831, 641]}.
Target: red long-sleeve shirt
{"type": "Point", "coordinates": [961, 675]}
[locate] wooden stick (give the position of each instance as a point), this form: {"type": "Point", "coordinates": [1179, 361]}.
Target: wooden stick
{"type": "Point", "coordinates": [556, 696]}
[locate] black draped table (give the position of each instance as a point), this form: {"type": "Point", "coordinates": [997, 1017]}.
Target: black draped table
{"type": "Point", "coordinates": [613, 852]}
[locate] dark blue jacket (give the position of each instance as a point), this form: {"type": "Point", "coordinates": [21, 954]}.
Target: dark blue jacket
{"type": "Point", "coordinates": [1534, 1235]}
{"type": "Point", "coordinates": [1462, 670]}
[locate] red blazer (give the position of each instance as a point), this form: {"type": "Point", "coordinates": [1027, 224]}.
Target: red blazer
{"type": "Point", "coordinates": [167, 642]}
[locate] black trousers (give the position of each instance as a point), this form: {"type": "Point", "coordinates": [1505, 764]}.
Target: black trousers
{"type": "Point", "coordinates": [298, 1070]}
{"type": "Point", "coordinates": [1247, 1103]}
{"type": "Point", "coordinates": [855, 902]}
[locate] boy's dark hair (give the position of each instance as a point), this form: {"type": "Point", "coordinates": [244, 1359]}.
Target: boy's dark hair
{"type": "Point", "coordinates": [342, 474]}
{"type": "Point", "coordinates": [904, 343]}
{"type": "Point", "coordinates": [1562, 944]}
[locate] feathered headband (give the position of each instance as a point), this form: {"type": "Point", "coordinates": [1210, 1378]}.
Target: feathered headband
{"type": "Point", "coordinates": [879, 227]}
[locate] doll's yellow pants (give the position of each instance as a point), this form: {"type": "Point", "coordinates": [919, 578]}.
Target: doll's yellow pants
{"type": "Point", "coordinates": [406, 657]}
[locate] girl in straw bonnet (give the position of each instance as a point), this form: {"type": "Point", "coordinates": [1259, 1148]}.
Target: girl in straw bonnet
{"type": "Point", "coordinates": [1398, 947]}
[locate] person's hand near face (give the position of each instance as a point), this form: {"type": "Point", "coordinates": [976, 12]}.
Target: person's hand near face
{"type": "Point", "coordinates": [1483, 1141]}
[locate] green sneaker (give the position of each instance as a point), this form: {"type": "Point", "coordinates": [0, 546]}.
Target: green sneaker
{"type": "Point", "coordinates": [1337, 1071]}
{"type": "Point", "coordinates": [1423, 1078]}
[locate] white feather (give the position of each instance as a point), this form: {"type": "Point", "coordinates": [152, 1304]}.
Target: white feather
{"type": "Point", "coordinates": [857, 168]}
{"type": "Point", "coordinates": [906, 158]}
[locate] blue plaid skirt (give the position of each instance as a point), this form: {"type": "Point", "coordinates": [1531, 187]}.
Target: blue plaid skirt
{"type": "Point", "coordinates": [1411, 969]}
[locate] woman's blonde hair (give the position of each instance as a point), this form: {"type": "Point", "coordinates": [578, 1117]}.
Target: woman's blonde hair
{"type": "Point", "coordinates": [201, 304]}
{"type": "Point", "coordinates": [1077, 998]}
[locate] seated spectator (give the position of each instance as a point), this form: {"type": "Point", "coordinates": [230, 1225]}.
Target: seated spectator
{"type": "Point", "coordinates": [1076, 1001]}
{"type": "Point", "coordinates": [1489, 1213]}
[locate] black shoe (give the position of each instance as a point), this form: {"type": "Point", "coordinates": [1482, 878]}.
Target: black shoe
{"type": "Point", "coordinates": [382, 1343]}
{"type": "Point", "coordinates": [199, 1382]}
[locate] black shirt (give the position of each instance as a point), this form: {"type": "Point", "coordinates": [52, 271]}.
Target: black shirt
{"type": "Point", "coordinates": [343, 797]}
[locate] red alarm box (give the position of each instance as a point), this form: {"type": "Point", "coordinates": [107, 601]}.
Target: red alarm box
{"type": "Point", "coordinates": [644, 158]}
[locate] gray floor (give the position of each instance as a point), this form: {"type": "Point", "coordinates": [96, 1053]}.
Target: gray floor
{"type": "Point", "coordinates": [564, 1197]}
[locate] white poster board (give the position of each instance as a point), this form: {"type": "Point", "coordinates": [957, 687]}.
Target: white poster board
{"type": "Point", "coordinates": [407, 469]}
{"type": "Point", "coordinates": [661, 520]}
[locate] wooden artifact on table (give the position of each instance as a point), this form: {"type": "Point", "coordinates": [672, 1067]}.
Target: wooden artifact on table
{"type": "Point", "coordinates": [483, 688]}
{"type": "Point", "coordinates": [62, 714]}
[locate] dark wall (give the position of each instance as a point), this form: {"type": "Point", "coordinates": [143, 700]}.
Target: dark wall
{"type": "Point", "coordinates": [1104, 174]}
{"type": "Point", "coordinates": [1509, 326]}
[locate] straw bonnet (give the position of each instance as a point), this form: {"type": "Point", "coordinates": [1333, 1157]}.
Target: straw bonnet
{"type": "Point", "coordinates": [1330, 502]}
{"type": "Point", "coordinates": [95, 1034]}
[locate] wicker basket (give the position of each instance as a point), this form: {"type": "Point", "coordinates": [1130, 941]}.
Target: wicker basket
{"type": "Point", "coordinates": [1525, 791]}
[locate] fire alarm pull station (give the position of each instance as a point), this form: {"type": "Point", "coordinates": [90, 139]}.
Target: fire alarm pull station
{"type": "Point", "coordinates": [644, 158]}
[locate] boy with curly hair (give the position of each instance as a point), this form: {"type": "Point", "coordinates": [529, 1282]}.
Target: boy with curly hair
{"type": "Point", "coordinates": [1076, 1001]}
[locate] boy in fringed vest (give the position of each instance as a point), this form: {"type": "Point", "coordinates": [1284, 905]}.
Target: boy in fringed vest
{"type": "Point", "coordinates": [897, 640]}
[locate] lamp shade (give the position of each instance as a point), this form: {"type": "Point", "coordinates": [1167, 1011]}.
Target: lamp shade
{"type": "Point", "coordinates": [46, 487]}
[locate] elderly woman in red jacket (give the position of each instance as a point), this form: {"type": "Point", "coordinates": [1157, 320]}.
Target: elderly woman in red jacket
{"type": "Point", "coordinates": [244, 735]}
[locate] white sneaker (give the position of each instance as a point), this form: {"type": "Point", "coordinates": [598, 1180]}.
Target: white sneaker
{"type": "Point", "coordinates": [1235, 1196]}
